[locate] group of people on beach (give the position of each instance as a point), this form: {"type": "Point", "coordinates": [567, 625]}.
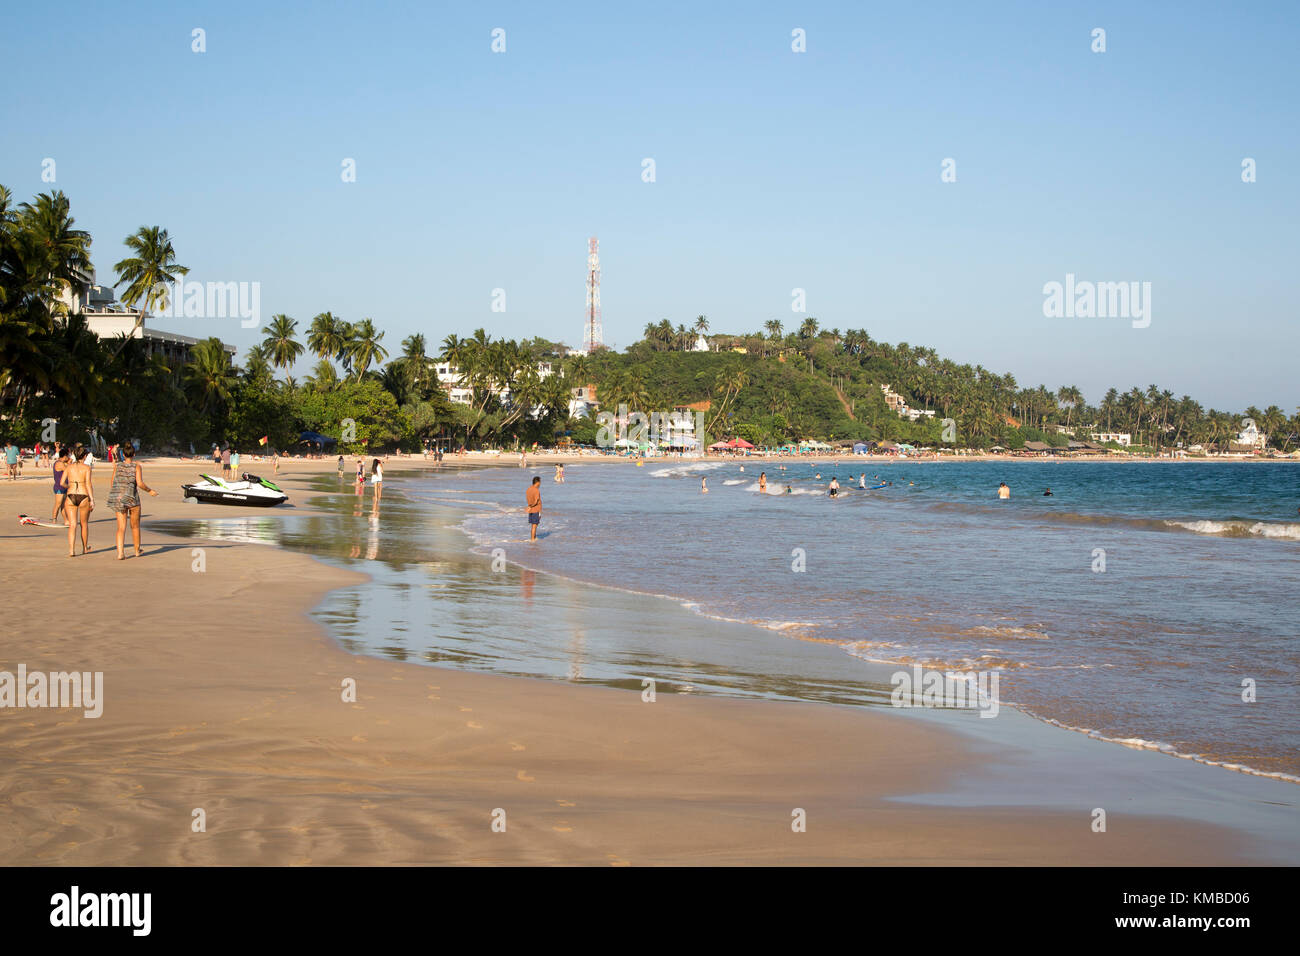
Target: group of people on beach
{"type": "Point", "coordinates": [74, 495]}
{"type": "Point", "coordinates": [376, 475]}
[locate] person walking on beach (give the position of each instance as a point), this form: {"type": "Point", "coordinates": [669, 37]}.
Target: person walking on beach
{"type": "Point", "coordinates": [361, 472]}
{"type": "Point", "coordinates": [80, 500]}
{"type": "Point", "coordinates": [124, 497]}
{"type": "Point", "coordinates": [234, 465]}
{"type": "Point", "coordinates": [1004, 492]}
{"type": "Point", "coordinates": [11, 461]}
{"type": "Point", "coordinates": [225, 462]}
{"type": "Point", "coordinates": [57, 468]}
{"type": "Point", "coordinates": [377, 478]}
{"type": "Point", "coordinates": [534, 499]}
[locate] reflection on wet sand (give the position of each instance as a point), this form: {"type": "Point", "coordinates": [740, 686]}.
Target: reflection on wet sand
{"type": "Point", "coordinates": [430, 600]}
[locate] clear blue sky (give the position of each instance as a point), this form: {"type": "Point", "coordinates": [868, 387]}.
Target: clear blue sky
{"type": "Point", "coordinates": [775, 170]}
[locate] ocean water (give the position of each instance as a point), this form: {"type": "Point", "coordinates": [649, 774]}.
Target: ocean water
{"type": "Point", "coordinates": [1137, 603]}
{"type": "Point", "coordinates": [1134, 604]}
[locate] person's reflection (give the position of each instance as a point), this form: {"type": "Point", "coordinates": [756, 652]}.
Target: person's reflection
{"type": "Point", "coordinates": [526, 581]}
{"type": "Point", "coordinates": [576, 643]}
{"type": "Point", "coordinates": [372, 548]}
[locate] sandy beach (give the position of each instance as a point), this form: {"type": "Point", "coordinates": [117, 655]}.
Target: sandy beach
{"type": "Point", "coordinates": [222, 694]}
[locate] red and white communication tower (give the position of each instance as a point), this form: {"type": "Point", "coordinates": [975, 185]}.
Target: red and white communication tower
{"type": "Point", "coordinates": [592, 336]}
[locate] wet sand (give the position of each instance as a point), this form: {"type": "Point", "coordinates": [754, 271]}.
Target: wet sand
{"type": "Point", "coordinates": [222, 694]}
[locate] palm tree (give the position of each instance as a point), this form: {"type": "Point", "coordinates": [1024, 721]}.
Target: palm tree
{"type": "Point", "coordinates": [149, 272]}
{"type": "Point", "coordinates": [701, 324]}
{"type": "Point", "coordinates": [415, 363]}
{"type": "Point", "coordinates": [1070, 396]}
{"type": "Point", "coordinates": [65, 251]}
{"type": "Point", "coordinates": [324, 377]}
{"type": "Point", "coordinates": [808, 329]}
{"type": "Point", "coordinates": [209, 377]}
{"type": "Point", "coordinates": [364, 348]}
{"type": "Point", "coordinates": [327, 335]}
{"type": "Point", "coordinates": [282, 345]}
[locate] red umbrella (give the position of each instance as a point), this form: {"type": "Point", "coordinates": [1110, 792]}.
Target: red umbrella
{"type": "Point", "coordinates": [740, 443]}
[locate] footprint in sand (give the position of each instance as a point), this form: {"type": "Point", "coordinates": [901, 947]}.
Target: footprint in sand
{"type": "Point", "coordinates": [475, 724]}
{"type": "Point", "coordinates": [562, 829]}
{"type": "Point", "coordinates": [434, 697]}
{"type": "Point", "coordinates": [359, 739]}
{"type": "Point", "coordinates": [566, 803]}
{"type": "Point", "coordinates": [524, 777]}
{"type": "Point", "coordinates": [515, 746]}
{"type": "Point", "coordinates": [467, 710]}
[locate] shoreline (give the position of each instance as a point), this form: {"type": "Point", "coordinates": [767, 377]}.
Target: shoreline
{"type": "Point", "coordinates": [241, 716]}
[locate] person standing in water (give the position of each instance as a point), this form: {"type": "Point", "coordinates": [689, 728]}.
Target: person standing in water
{"type": "Point", "coordinates": [559, 474]}
{"type": "Point", "coordinates": [862, 481]}
{"type": "Point", "coordinates": [1004, 492]}
{"type": "Point", "coordinates": [762, 481]}
{"type": "Point", "coordinates": [377, 477]}
{"type": "Point", "coordinates": [704, 485]}
{"type": "Point", "coordinates": [834, 489]}
{"type": "Point", "coordinates": [342, 467]}
{"type": "Point", "coordinates": [124, 497]}
{"type": "Point", "coordinates": [533, 497]}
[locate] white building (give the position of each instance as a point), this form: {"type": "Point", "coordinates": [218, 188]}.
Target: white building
{"type": "Point", "coordinates": [1251, 437]}
{"type": "Point", "coordinates": [109, 319]}
{"type": "Point", "coordinates": [900, 407]}
{"type": "Point", "coordinates": [449, 377]}
{"type": "Point", "coordinates": [1123, 439]}
{"type": "Point", "coordinates": [701, 344]}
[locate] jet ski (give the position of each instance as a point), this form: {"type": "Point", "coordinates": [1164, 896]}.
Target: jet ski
{"type": "Point", "coordinates": [251, 491]}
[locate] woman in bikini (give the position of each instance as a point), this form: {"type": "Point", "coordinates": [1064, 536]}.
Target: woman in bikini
{"type": "Point", "coordinates": [80, 500]}
{"type": "Point", "coordinates": [60, 485]}
{"type": "Point", "coordinates": [124, 497]}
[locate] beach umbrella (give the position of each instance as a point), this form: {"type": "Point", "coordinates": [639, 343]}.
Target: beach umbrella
{"type": "Point", "coordinates": [741, 443]}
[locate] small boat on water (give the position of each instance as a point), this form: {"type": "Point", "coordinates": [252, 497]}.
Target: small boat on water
{"type": "Point", "coordinates": [251, 491]}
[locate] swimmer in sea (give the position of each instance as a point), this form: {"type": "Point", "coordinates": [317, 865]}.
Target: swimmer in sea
{"type": "Point", "coordinates": [1003, 491]}
{"type": "Point", "coordinates": [819, 476]}
{"type": "Point", "coordinates": [762, 481]}
{"type": "Point", "coordinates": [834, 487]}
{"type": "Point", "coordinates": [789, 490]}
{"type": "Point", "coordinates": [1047, 493]}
